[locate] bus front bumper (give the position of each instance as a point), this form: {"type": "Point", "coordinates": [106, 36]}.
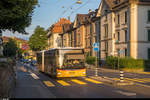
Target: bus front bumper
{"type": "Point", "coordinates": [71, 73]}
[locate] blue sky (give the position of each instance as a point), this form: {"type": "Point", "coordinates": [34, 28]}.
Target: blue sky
{"type": "Point", "coordinates": [51, 10]}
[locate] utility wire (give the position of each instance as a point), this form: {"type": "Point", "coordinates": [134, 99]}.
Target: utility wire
{"type": "Point", "coordinates": [79, 7]}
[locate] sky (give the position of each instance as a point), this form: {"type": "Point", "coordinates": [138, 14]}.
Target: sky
{"type": "Point", "coordinates": [50, 11]}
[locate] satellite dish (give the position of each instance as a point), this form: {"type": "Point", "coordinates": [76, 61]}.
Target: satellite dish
{"type": "Point", "coordinates": [79, 2]}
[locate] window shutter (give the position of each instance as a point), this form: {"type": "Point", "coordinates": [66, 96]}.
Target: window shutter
{"type": "Point", "coordinates": [149, 16]}
{"type": "Point", "coordinates": [149, 35]}
{"type": "Point", "coordinates": [149, 53]}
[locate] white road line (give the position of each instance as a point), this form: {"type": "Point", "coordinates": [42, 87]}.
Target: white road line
{"type": "Point", "coordinates": [142, 85]}
{"type": "Point", "coordinates": [34, 76]}
{"type": "Point", "coordinates": [126, 93]}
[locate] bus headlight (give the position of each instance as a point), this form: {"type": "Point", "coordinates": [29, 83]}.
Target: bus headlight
{"type": "Point", "coordinates": [59, 73]}
{"type": "Point", "coordinates": [83, 72]}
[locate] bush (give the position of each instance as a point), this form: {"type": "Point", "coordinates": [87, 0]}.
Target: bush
{"type": "Point", "coordinates": [90, 60]}
{"type": "Point", "coordinates": [127, 63]}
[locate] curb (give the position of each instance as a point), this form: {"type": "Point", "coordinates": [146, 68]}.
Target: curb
{"type": "Point", "coordinates": [111, 81]}
{"type": "Point", "coordinates": [146, 73]}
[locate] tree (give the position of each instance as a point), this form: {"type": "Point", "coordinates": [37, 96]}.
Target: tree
{"type": "Point", "coordinates": [10, 48]}
{"type": "Point", "coordinates": [38, 40]}
{"type": "Point", "coordinates": [15, 15]}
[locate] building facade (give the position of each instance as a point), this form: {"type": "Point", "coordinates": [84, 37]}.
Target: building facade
{"type": "Point", "coordinates": [127, 31]}
{"type": "Point", "coordinates": [55, 34]}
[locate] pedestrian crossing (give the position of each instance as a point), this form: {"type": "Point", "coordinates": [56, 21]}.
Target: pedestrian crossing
{"type": "Point", "coordinates": [70, 82]}
{"type": "Point", "coordinates": [140, 80]}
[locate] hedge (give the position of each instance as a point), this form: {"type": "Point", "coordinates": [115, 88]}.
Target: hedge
{"type": "Point", "coordinates": [91, 60]}
{"type": "Point", "coordinates": [128, 63]}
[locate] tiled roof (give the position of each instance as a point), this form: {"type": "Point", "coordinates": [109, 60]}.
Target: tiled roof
{"type": "Point", "coordinates": [58, 27]}
{"type": "Point", "coordinates": [5, 39]}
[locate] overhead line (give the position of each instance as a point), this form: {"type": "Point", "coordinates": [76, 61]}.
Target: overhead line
{"type": "Point", "coordinates": [79, 7]}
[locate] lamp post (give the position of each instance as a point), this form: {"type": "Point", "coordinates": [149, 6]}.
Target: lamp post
{"type": "Point", "coordinates": [79, 2]}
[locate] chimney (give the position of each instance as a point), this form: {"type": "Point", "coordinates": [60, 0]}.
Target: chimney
{"type": "Point", "coordinates": [90, 10]}
{"type": "Point", "coordinates": [69, 18]}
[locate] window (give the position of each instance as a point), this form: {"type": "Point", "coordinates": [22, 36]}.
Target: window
{"type": "Point", "coordinates": [79, 42]}
{"type": "Point", "coordinates": [126, 54]}
{"type": "Point", "coordinates": [126, 36]}
{"type": "Point", "coordinates": [149, 16]}
{"type": "Point", "coordinates": [125, 17]}
{"type": "Point", "coordinates": [106, 30]}
{"type": "Point", "coordinates": [106, 46]}
{"type": "Point", "coordinates": [118, 19]}
{"type": "Point", "coordinates": [148, 34]}
{"type": "Point", "coordinates": [148, 53]}
{"type": "Point", "coordinates": [118, 36]}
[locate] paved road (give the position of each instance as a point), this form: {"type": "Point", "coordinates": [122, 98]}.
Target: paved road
{"type": "Point", "coordinates": [31, 84]}
{"type": "Point", "coordinates": [133, 77]}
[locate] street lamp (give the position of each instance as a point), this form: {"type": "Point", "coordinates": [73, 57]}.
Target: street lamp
{"type": "Point", "coordinates": [79, 2]}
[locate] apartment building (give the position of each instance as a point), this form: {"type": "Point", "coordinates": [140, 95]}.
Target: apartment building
{"type": "Point", "coordinates": [128, 30]}
{"type": "Point", "coordinates": [92, 31]}
{"type": "Point", "coordinates": [67, 35]}
{"type": "Point", "coordinates": [106, 29]}
{"type": "Point", "coordinates": [78, 34]}
{"type": "Point", "coordinates": [55, 34]}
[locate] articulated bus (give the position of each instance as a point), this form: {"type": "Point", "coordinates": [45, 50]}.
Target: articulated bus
{"type": "Point", "coordinates": [62, 62]}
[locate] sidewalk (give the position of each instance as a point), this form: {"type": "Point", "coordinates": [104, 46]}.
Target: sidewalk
{"type": "Point", "coordinates": [28, 87]}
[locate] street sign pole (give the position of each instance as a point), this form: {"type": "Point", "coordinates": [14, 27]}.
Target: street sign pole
{"type": "Point", "coordinates": [96, 49]}
{"type": "Point", "coordinates": [96, 70]}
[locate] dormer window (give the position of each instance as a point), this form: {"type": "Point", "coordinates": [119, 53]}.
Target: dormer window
{"type": "Point", "coordinates": [116, 1]}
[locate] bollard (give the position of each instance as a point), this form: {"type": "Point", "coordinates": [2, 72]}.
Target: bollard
{"type": "Point", "coordinates": [96, 71]}
{"type": "Point", "coordinates": [121, 76]}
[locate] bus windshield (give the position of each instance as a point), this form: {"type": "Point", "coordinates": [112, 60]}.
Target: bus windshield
{"type": "Point", "coordinates": [72, 59]}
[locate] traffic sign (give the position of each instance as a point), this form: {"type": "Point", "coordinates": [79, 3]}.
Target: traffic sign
{"type": "Point", "coordinates": [96, 47]}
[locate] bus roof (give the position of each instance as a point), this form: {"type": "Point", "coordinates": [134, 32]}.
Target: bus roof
{"type": "Point", "coordinates": [62, 48]}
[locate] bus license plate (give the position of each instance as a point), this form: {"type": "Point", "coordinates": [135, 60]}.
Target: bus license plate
{"type": "Point", "coordinates": [71, 72]}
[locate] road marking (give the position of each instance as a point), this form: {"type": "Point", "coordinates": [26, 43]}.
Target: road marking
{"type": "Point", "coordinates": [78, 82]}
{"type": "Point", "coordinates": [34, 76]}
{"type": "Point", "coordinates": [134, 79]}
{"type": "Point", "coordinates": [94, 81]}
{"type": "Point", "coordinates": [49, 84]}
{"type": "Point", "coordinates": [63, 83]}
{"type": "Point", "coordinates": [118, 79]}
{"type": "Point", "coordinates": [145, 80]}
{"type": "Point", "coordinates": [126, 93]}
{"type": "Point", "coordinates": [143, 85]}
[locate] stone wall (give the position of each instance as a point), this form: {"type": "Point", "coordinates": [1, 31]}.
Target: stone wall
{"type": "Point", "coordinates": [7, 79]}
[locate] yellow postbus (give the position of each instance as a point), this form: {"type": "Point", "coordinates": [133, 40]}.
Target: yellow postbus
{"type": "Point", "coordinates": [62, 62]}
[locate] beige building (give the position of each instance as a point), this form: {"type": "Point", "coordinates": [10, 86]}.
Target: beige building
{"type": "Point", "coordinates": [55, 34]}
{"type": "Point", "coordinates": [67, 35]}
{"type": "Point", "coordinates": [125, 28]}
{"type": "Point", "coordinates": [78, 34]}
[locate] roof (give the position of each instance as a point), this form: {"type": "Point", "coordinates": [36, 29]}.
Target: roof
{"type": "Point", "coordinates": [81, 18]}
{"type": "Point", "coordinates": [58, 27]}
{"type": "Point", "coordinates": [6, 39]}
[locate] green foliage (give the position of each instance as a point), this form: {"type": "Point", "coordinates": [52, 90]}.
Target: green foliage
{"type": "Point", "coordinates": [38, 40]}
{"type": "Point", "coordinates": [15, 15]}
{"type": "Point", "coordinates": [20, 52]}
{"type": "Point", "coordinates": [90, 60]}
{"type": "Point", "coordinates": [127, 63]}
{"type": "Point", "coordinates": [10, 48]}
